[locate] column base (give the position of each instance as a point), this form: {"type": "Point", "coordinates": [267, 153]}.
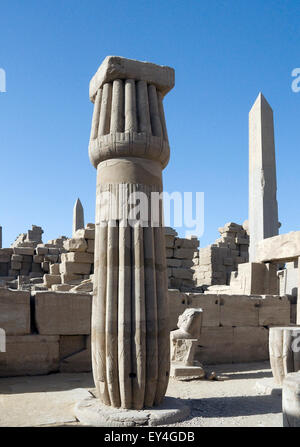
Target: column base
{"type": "Point", "coordinates": [92, 412]}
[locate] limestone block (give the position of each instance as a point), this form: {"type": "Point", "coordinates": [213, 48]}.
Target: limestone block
{"type": "Point", "coordinates": [14, 312]}
{"type": "Point", "coordinates": [78, 362]}
{"type": "Point", "coordinates": [182, 273]}
{"type": "Point", "coordinates": [51, 258]}
{"type": "Point", "coordinates": [61, 287]}
{"type": "Point", "coordinates": [5, 254]}
{"type": "Point", "coordinates": [186, 243]}
{"type": "Point", "coordinates": [68, 278]}
{"type": "Point", "coordinates": [177, 305]}
{"type": "Point", "coordinates": [45, 266]}
{"type": "Point", "coordinates": [228, 261]}
{"type": "Point", "coordinates": [38, 259]}
{"type": "Point", "coordinates": [71, 344]}
{"type": "Point", "coordinates": [16, 265]}
{"type": "Point", "coordinates": [90, 246]}
{"type": "Point", "coordinates": [183, 253]}
{"type": "Point", "coordinates": [216, 345]}
{"type": "Point", "coordinates": [53, 251]}
{"type": "Point", "coordinates": [174, 262]}
{"type": "Point", "coordinates": [16, 258]}
{"type": "Point", "coordinates": [54, 269]}
{"type": "Point", "coordinates": [169, 252]}
{"type": "Point", "coordinates": [49, 280]}
{"type": "Point", "coordinates": [36, 268]}
{"type": "Point", "coordinates": [250, 344]}
{"type": "Point", "coordinates": [239, 310]}
{"type": "Point", "coordinates": [169, 241]}
{"type": "Point", "coordinates": [78, 244]}
{"type": "Point", "coordinates": [274, 310]}
{"type": "Point", "coordinates": [291, 400]}
{"type": "Point", "coordinates": [186, 263]}
{"type": "Point", "coordinates": [210, 304]}
{"type": "Point", "coordinates": [86, 258]}
{"type": "Point", "coordinates": [67, 267]}
{"type": "Point", "coordinates": [279, 248]}
{"type": "Point", "coordinates": [86, 233]}
{"type": "Point", "coordinates": [62, 313]}
{"type": "Point", "coordinates": [41, 250]}
{"type": "Point", "coordinates": [29, 251]}
{"type": "Point", "coordinates": [30, 355]}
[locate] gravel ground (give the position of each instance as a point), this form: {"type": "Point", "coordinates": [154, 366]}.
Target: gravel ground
{"type": "Point", "coordinates": [235, 402]}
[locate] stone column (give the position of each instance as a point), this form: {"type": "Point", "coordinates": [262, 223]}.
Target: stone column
{"type": "Point", "coordinates": [129, 148]}
{"type": "Point", "coordinates": [263, 208]}
{"type": "Point", "coordinates": [78, 217]}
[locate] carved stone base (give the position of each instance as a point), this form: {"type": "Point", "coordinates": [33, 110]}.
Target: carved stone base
{"type": "Point", "coordinates": [183, 372]}
{"type": "Point", "coordinates": [92, 412]}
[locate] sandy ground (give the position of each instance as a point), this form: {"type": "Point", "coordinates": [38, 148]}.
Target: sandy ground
{"type": "Point", "coordinates": [236, 402]}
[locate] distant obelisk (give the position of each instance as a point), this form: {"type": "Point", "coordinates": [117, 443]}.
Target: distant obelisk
{"type": "Point", "coordinates": [78, 216]}
{"type": "Point", "coordinates": [263, 207]}
{"type": "Point", "coordinates": [0, 237]}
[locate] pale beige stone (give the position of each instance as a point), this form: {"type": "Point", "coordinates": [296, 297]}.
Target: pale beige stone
{"type": "Point", "coordinates": [14, 312]}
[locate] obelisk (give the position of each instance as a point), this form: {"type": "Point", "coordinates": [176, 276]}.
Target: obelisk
{"type": "Point", "coordinates": [129, 148]}
{"type": "Point", "coordinates": [263, 208]}
{"type": "Point", "coordinates": [78, 216]}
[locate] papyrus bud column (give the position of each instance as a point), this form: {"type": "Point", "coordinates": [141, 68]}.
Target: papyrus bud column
{"type": "Point", "coordinates": [129, 148]}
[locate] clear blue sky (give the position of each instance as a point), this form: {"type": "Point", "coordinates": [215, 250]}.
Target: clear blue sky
{"type": "Point", "coordinates": [224, 53]}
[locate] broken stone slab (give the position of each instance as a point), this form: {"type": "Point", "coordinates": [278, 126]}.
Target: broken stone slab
{"type": "Point", "coordinates": [85, 233]}
{"type": "Point", "coordinates": [184, 372]}
{"type": "Point", "coordinates": [279, 248]}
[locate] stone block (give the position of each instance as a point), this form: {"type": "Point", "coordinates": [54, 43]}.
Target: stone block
{"type": "Point", "coordinates": [274, 310]}
{"type": "Point", "coordinates": [250, 344]}
{"type": "Point", "coordinates": [54, 269]}
{"type": "Point", "coordinates": [210, 304]}
{"type": "Point", "coordinates": [169, 252]}
{"type": "Point", "coordinates": [29, 251]}
{"type": "Point", "coordinates": [61, 287]}
{"type": "Point", "coordinates": [186, 243]}
{"type": "Point", "coordinates": [215, 345]}
{"type": "Point", "coordinates": [81, 257]}
{"type": "Point", "coordinates": [38, 259]}
{"type": "Point", "coordinates": [16, 265]}
{"type": "Point", "coordinates": [81, 268]}
{"type": "Point", "coordinates": [183, 253]}
{"type": "Point", "coordinates": [169, 241]}
{"type": "Point", "coordinates": [51, 258]}
{"type": "Point", "coordinates": [14, 312]}
{"type": "Point", "coordinates": [71, 344]}
{"type": "Point", "coordinates": [5, 254]}
{"type": "Point", "coordinates": [63, 313]}
{"type": "Point", "coordinates": [49, 280]}
{"type": "Point", "coordinates": [86, 233]}
{"type": "Point", "coordinates": [30, 355]}
{"type": "Point", "coordinates": [17, 258]}
{"type": "Point", "coordinates": [75, 244]}
{"type": "Point", "coordinates": [174, 262]}
{"type": "Point", "coordinates": [90, 246]}
{"type": "Point", "coordinates": [41, 250]}
{"type": "Point", "coordinates": [182, 273]}
{"type": "Point", "coordinates": [68, 278]}
{"type": "Point", "coordinates": [177, 302]}
{"type": "Point", "coordinates": [239, 310]}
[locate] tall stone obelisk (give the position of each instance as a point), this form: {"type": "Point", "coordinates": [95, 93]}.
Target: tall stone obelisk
{"type": "Point", "coordinates": [78, 216]}
{"type": "Point", "coordinates": [129, 148]}
{"type": "Point", "coordinates": [263, 208]}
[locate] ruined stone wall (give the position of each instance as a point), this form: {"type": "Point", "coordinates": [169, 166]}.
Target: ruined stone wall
{"type": "Point", "coordinates": [68, 264]}
{"type": "Point", "coordinates": [180, 254]}
{"type": "Point", "coordinates": [49, 331]}
{"type": "Point", "coordinates": [215, 262]}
